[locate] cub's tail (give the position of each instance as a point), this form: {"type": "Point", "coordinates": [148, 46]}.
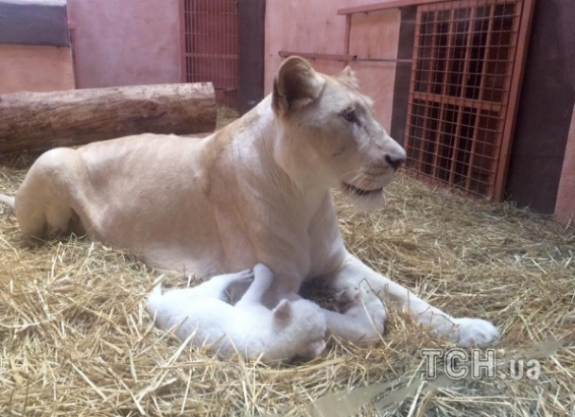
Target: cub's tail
{"type": "Point", "coordinates": [6, 199]}
{"type": "Point", "coordinates": [155, 296]}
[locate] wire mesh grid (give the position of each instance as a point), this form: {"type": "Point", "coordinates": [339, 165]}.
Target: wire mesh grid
{"type": "Point", "coordinates": [461, 79]}
{"type": "Point", "coordinates": [211, 46]}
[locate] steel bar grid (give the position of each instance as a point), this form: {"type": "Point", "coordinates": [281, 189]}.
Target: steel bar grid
{"type": "Point", "coordinates": [463, 72]}
{"type": "Point", "coordinates": [211, 46]}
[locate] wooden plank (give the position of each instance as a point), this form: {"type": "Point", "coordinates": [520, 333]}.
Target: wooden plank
{"type": "Point", "coordinates": [399, 116]}
{"type": "Point", "coordinates": [386, 6]}
{"type": "Point", "coordinates": [252, 53]}
{"type": "Point", "coordinates": [327, 57]}
{"type": "Point", "coordinates": [517, 82]}
{"type": "Point", "coordinates": [340, 57]}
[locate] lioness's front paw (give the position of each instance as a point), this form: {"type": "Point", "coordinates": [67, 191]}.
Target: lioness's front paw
{"type": "Point", "coordinates": [372, 315]}
{"type": "Point", "coordinates": [346, 299]}
{"type": "Point", "coordinates": [379, 316]}
{"type": "Point", "coordinates": [468, 332]}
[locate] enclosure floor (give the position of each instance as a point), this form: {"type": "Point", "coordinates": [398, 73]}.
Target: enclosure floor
{"type": "Point", "coordinates": [75, 339]}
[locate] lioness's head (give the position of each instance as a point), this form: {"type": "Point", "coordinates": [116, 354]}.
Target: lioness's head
{"type": "Point", "coordinates": [331, 127]}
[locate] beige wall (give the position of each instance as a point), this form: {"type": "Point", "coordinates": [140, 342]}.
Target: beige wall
{"type": "Point", "coordinates": [565, 206]}
{"type": "Point", "coordinates": [35, 68]}
{"type": "Point", "coordinates": [314, 27]}
{"type": "Point", "coordinates": [126, 42]}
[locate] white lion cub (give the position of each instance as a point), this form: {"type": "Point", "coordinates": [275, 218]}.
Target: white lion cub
{"type": "Point", "coordinates": [291, 329]}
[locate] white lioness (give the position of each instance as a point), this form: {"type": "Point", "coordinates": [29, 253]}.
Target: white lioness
{"type": "Point", "coordinates": [257, 190]}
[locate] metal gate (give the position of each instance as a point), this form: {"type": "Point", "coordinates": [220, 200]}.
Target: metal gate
{"type": "Point", "coordinates": [211, 46]}
{"type": "Point", "coordinates": [467, 66]}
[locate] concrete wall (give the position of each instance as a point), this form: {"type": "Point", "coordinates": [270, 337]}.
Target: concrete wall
{"type": "Point", "coordinates": [565, 206]}
{"type": "Point", "coordinates": [313, 26]}
{"type": "Point", "coordinates": [127, 42]}
{"type": "Point", "coordinates": [35, 68]}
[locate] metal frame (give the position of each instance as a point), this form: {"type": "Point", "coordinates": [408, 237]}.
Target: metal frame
{"type": "Point", "coordinates": [477, 92]}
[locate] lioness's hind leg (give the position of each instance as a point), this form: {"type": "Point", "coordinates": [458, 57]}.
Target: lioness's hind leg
{"type": "Point", "coordinates": [42, 205]}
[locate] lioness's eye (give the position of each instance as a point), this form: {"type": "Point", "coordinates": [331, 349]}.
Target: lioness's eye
{"type": "Point", "coordinates": [349, 115]}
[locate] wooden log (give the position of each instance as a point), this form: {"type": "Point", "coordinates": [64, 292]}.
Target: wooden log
{"type": "Point", "coordinates": [39, 121]}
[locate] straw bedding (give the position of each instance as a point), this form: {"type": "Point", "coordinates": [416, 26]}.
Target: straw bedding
{"type": "Point", "coordinates": [75, 339]}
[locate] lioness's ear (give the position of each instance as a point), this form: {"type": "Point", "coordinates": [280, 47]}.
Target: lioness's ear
{"type": "Point", "coordinates": [347, 76]}
{"type": "Point", "coordinates": [295, 86]}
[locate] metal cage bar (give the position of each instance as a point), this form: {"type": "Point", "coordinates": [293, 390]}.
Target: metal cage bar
{"type": "Point", "coordinates": [210, 46]}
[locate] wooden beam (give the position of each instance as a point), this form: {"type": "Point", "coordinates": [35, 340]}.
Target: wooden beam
{"type": "Point", "coordinates": [252, 53]}
{"type": "Point", "coordinates": [376, 7]}
{"type": "Point", "coordinates": [327, 57]}
{"type": "Point", "coordinates": [339, 57]}
{"type": "Point", "coordinates": [36, 122]}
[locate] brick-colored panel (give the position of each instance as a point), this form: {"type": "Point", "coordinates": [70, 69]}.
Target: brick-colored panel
{"type": "Point", "coordinates": [35, 68]}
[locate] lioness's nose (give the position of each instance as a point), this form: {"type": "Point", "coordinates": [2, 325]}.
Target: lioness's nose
{"type": "Point", "coordinates": [395, 161]}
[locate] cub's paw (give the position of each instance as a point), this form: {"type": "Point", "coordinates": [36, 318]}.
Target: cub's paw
{"type": "Point", "coordinates": [468, 332]}
{"type": "Point", "coordinates": [261, 269]}
{"type": "Point", "coordinates": [246, 275]}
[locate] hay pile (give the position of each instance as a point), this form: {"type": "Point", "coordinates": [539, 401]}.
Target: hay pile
{"type": "Point", "coordinates": [75, 339]}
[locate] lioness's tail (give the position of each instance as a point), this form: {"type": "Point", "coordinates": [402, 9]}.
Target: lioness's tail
{"type": "Point", "coordinates": [6, 199]}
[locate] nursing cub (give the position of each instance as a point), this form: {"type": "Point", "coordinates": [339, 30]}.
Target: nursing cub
{"type": "Point", "coordinates": [248, 328]}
